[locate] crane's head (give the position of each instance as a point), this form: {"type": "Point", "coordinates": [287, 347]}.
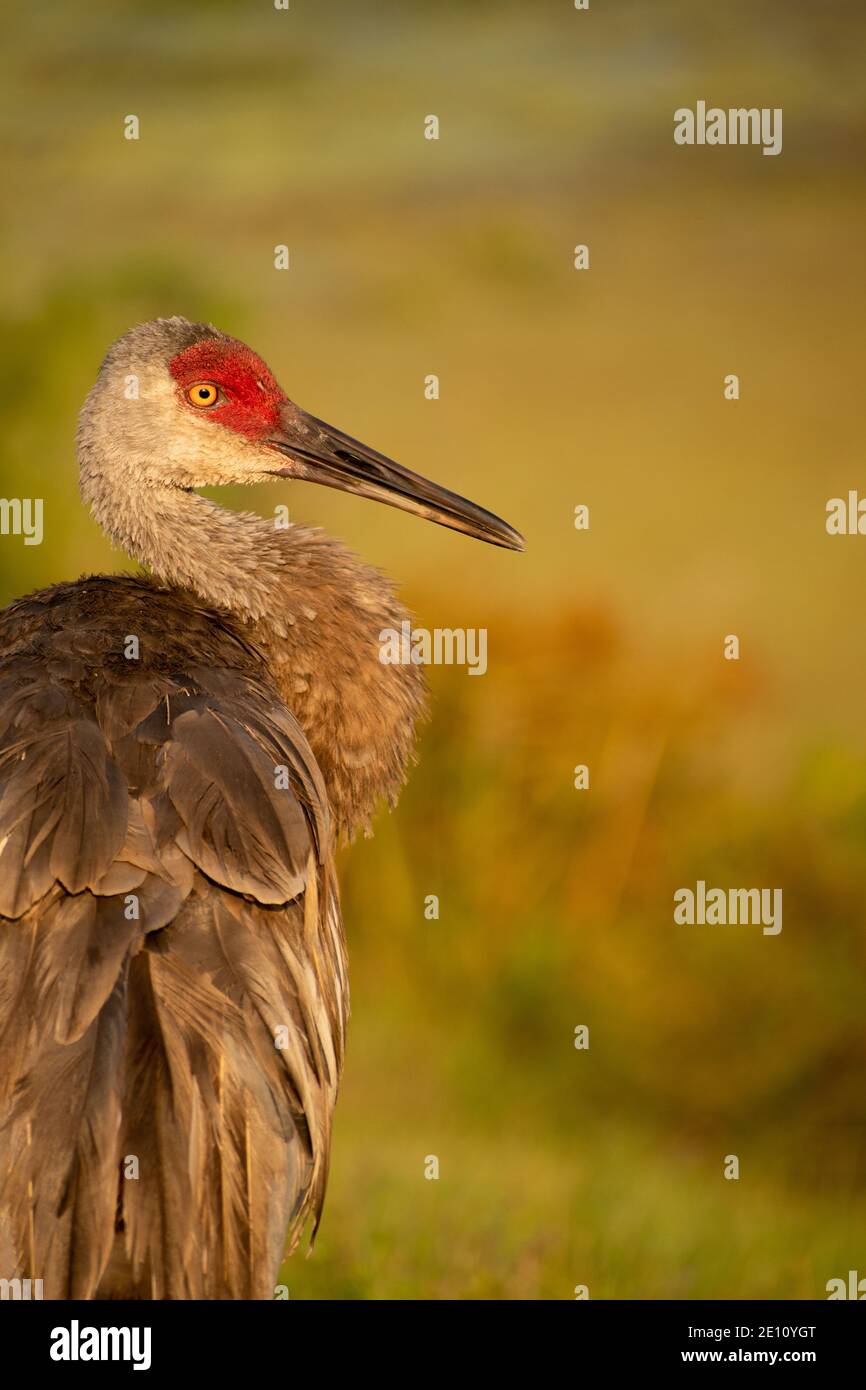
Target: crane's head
{"type": "Point", "coordinates": [184, 406]}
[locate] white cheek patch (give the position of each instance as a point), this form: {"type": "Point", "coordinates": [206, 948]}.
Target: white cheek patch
{"type": "Point", "coordinates": [166, 439]}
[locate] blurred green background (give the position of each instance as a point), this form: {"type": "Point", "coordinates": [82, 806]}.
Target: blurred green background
{"type": "Point", "coordinates": [558, 1167]}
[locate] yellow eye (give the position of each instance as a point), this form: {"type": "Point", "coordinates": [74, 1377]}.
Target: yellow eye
{"type": "Point", "coordinates": [203, 393]}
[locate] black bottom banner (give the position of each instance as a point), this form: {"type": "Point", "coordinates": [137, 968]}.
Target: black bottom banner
{"type": "Point", "coordinates": [59, 1339]}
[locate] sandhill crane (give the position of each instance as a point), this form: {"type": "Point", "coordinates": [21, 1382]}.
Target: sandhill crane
{"type": "Point", "coordinates": [178, 754]}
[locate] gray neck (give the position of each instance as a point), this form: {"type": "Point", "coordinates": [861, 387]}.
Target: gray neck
{"type": "Point", "coordinates": [315, 612]}
{"type": "Point", "coordinates": [230, 560]}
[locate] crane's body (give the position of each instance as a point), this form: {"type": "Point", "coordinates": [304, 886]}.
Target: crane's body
{"type": "Point", "coordinates": [178, 756]}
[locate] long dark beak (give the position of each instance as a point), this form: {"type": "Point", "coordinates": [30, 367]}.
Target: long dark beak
{"type": "Point", "coordinates": [321, 454]}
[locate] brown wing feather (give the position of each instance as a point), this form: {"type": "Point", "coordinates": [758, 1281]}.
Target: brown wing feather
{"type": "Point", "coordinates": [172, 965]}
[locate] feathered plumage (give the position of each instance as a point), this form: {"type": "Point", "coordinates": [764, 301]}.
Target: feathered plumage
{"type": "Point", "coordinates": [171, 960]}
